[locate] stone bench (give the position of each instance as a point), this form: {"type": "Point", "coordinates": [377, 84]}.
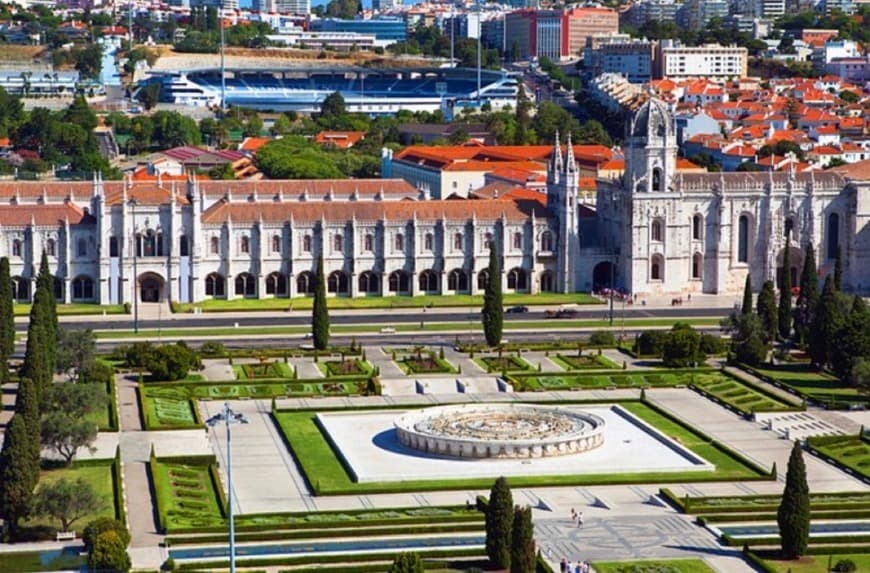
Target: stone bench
{"type": "Point", "coordinates": [66, 536]}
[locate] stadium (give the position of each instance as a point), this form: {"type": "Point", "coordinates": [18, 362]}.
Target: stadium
{"type": "Point", "coordinates": [374, 92]}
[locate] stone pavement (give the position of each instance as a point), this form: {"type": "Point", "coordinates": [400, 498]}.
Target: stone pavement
{"type": "Point", "coordinates": [797, 425]}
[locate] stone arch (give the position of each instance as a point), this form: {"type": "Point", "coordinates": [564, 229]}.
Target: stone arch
{"type": "Point", "coordinates": [306, 282]}
{"type": "Point", "coordinates": [276, 284]}
{"type": "Point", "coordinates": [246, 285]}
{"type": "Point", "coordinates": [369, 283]}
{"type": "Point", "coordinates": [215, 285]}
{"type": "Point", "coordinates": [338, 283]}
{"type": "Point", "coordinates": [151, 287]}
{"type": "Point", "coordinates": [399, 282]}
{"type": "Point", "coordinates": [603, 275]}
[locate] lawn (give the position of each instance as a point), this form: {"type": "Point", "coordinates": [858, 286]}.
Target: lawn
{"type": "Point", "coordinates": [814, 563]}
{"type": "Point", "coordinates": [352, 367]}
{"type": "Point", "coordinates": [740, 396]}
{"type": "Point", "coordinates": [816, 385]}
{"type": "Point", "coordinates": [327, 476]}
{"type": "Point", "coordinates": [654, 566]}
{"type": "Point", "coordinates": [851, 451]}
{"type": "Point", "coordinates": [503, 363]}
{"type": "Point", "coordinates": [263, 370]}
{"type": "Point", "coordinates": [374, 302]}
{"type": "Point", "coordinates": [106, 418]}
{"type": "Point", "coordinates": [187, 493]}
{"type": "Point", "coordinates": [98, 475]}
{"type": "Point", "coordinates": [603, 380]}
{"type": "Point", "coordinates": [22, 309]}
{"type": "Point", "coordinates": [584, 362]}
{"type": "Point", "coordinates": [67, 559]}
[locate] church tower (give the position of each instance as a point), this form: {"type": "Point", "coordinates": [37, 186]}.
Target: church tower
{"type": "Point", "coordinates": [651, 149]}
{"type": "Point", "coordinates": [563, 178]}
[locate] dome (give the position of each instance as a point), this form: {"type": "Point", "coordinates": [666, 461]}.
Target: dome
{"type": "Point", "coordinates": [652, 119]}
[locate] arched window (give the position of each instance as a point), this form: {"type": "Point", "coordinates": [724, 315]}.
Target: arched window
{"type": "Point", "coordinates": [276, 284]}
{"type": "Point", "coordinates": [368, 282]}
{"type": "Point", "coordinates": [657, 179]}
{"type": "Point", "coordinates": [183, 246]}
{"type": "Point", "coordinates": [149, 244]}
{"type": "Point", "coordinates": [482, 279]}
{"type": "Point", "coordinates": [306, 244]}
{"type": "Point", "coordinates": [276, 243]}
{"type": "Point", "coordinates": [547, 282]}
{"type": "Point", "coordinates": [518, 241]}
{"type": "Point", "coordinates": [81, 248]}
{"type": "Point", "coordinates": [83, 288]}
{"type": "Point", "coordinates": [305, 283]}
{"type": "Point", "coordinates": [337, 283]}
{"type": "Point", "coordinates": [215, 285]}
{"type": "Point", "coordinates": [51, 248]}
{"type": "Point", "coordinates": [428, 241]}
{"type": "Point", "coordinates": [245, 245]}
{"type": "Point", "coordinates": [457, 280]}
{"type": "Point", "coordinates": [16, 248]}
{"type": "Point", "coordinates": [697, 265]}
{"type": "Point", "coordinates": [400, 242]}
{"type": "Point", "coordinates": [246, 285]}
{"type": "Point", "coordinates": [428, 281]}
{"type": "Point", "coordinates": [113, 246]}
{"type": "Point", "coordinates": [20, 289]}
{"type": "Point", "coordinates": [399, 282]}
{"type": "Point", "coordinates": [457, 242]}
{"type": "Point", "coordinates": [338, 244]}
{"type": "Point", "coordinates": [57, 284]}
{"type": "Point", "coordinates": [697, 226]}
{"type": "Point", "coordinates": [657, 270]}
{"type": "Point", "coordinates": [487, 240]}
{"type": "Point", "coordinates": [743, 239]}
{"type": "Point", "coordinates": [547, 241]}
{"type": "Point", "coordinates": [656, 231]}
{"type": "Point", "coordinates": [833, 235]}
{"type": "Point", "coordinates": [369, 243]}
{"type": "Point", "coordinates": [214, 245]}
{"type": "Point", "coordinates": [517, 279]}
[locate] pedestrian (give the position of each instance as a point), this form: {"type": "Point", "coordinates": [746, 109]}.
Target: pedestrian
{"type": "Point", "coordinates": [563, 565]}
{"type": "Point", "coordinates": [580, 519]}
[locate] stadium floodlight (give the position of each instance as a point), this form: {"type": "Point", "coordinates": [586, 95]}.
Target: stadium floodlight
{"type": "Point", "coordinates": [228, 417]}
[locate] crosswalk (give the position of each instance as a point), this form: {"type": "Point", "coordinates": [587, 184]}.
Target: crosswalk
{"type": "Point", "coordinates": [797, 425]}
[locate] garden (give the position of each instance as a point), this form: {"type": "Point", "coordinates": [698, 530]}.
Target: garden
{"type": "Point", "coordinates": [347, 367]}
{"type": "Point", "coordinates": [263, 370]}
{"type": "Point", "coordinates": [739, 396]}
{"type": "Point", "coordinates": [503, 364]}
{"type": "Point", "coordinates": [845, 562]}
{"type": "Point", "coordinates": [420, 360]}
{"type": "Point", "coordinates": [654, 566]}
{"type": "Point", "coordinates": [852, 452]}
{"type": "Point", "coordinates": [811, 384]}
{"type": "Point", "coordinates": [604, 380]}
{"type": "Point", "coordinates": [188, 493]}
{"type": "Point", "coordinates": [583, 361]}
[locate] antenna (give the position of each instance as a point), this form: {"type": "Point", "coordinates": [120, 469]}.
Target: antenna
{"type": "Point", "coordinates": [479, 11]}
{"type": "Point", "coordinates": [223, 66]}
{"type": "Point", "coordinates": [452, 31]}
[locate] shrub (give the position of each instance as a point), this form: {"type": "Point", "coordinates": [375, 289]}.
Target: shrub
{"type": "Point", "coordinates": [212, 348]}
{"type": "Point", "coordinates": [98, 373]}
{"type": "Point", "coordinates": [711, 344]}
{"type": "Point", "coordinates": [172, 362]}
{"type": "Point", "coordinates": [103, 524]}
{"type": "Point", "coordinates": [845, 566]}
{"type": "Point", "coordinates": [682, 347]}
{"type": "Point", "coordinates": [108, 553]}
{"type": "Point", "coordinates": [602, 338]}
{"type": "Point", "coordinates": [138, 354]}
{"type": "Point", "coordinates": [650, 342]}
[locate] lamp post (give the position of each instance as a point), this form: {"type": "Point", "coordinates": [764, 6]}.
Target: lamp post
{"type": "Point", "coordinates": [132, 204]}
{"type": "Point", "coordinates": [228, 417]}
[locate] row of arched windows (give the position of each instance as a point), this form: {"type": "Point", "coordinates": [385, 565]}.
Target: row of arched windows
{"type": "Point", "coordinates": [82, 288]}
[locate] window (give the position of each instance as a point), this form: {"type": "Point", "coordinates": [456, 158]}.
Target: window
{"type": "Point", "coordinates": [517, 279]}
{"type": "Point", "coordinates": [183, 246]}
{"type": "Point", "coordinates": [487, 240]}
{"type": "Point", "coordinates": [20, 289]}
{"type": "Point", "coordinates": [657, 179]}
{"type": "Point", "coordinates": [276, 284]}
{"type": "Point", "coordinates": [338, 244]}
{"type": "Point", "coordinates": [306, 244]}
{"type": "Point", "coordinates": [81, 248]}
{"type": "Point", "coordinates": [656, 231]}
{"type": "Point", "coordinates": [337, 283]}
{"type": "Point", "coordinates": [547, 282]}
{"type": "Point", "coordinates": [368, 282]}
{"type": "Point", "coordinates": [305, 283]}
{"type": "Point", "coordinates": [482, 279]}
{"type": "Point", "coordinates": [113, 246]}
{"type": "Point", "coordinates": [149, 244]}
{"type": "Point", "coordinates": [369, 243]}
{"type": "Point", "coordinates": [399, 282]}
{"type": "Point", "coordinates": [400, 242]}
{"type": "Point", "coordinates": [245, 245]}
{"type": "Point", "coordinates": [697, 226]}
{"type": "Point", "coordinates": [215, 285]}
{"type": "Point", "coordinates": [457, 280]}
{"type": "Point", "coordinates": [276, 243]}
{"type": "Point", "coordinates": [833, 235]}
{"type": "Point", "coordinates": [214, 245]}
{"type": "Point", "coordinates": [518, 241]}
{"type": "Point", "coordinates": [697, 265]}
{"type": "Point", "coordinates": [83, 288]}
{"type": "Point", "coordinates": [457, 242]}
{"type": "Point", "coordinates": [547, 241]}
{"type": "Point", "coordinates": [246, 285]}
{"type": "Point", "coordinates": [427, 241]}
{"type": "Point", "coordinates": [51, 248]}
{"type": "Point", "coordinates": [16, 248]}
{"type": "Point", "coordinates": [743, 239]}
{"type": "Point", "coordinates": [656, 272]}
{"type": "Point", "coordinates": [428, 281]}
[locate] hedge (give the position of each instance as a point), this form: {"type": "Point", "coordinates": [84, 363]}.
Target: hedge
{"type": "Point", "coordinates": [822, 514]}
{"type": "Point", "coordinates": [702, 505]}
{"type": "Point", "coordinates": [762, 389]}
{"type": "Point", "coordinates": [118, 487]}
{"type": "Point", "coordinates": [771, 540]}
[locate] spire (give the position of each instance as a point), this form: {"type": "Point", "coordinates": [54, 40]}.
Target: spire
{"type": "Point", "coordinates": [557, 154]}
{"type": "Point", "coordinates": [570, 163]}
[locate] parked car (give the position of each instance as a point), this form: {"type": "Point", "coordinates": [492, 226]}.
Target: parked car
{"type": "Point", "coordinates": [519, 309]}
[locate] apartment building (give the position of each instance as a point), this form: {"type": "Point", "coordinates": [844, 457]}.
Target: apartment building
{"type": "Point", "coordinates": [709, 60]}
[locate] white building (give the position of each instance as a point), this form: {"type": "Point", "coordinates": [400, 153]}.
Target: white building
{"type": "Point", "coordinates": [709, 60]}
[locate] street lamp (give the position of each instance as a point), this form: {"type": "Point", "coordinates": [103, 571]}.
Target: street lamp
{"type": "Point", "coordinates": [227, 416]}
{"type": "Point", "coordinates": [133, 203]}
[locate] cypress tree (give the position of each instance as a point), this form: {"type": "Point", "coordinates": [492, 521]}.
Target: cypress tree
{"type": "Point", "coordinates": [784, 318]}
{"type": "Point", "coordinates": [493, 309]}
{"type": "Point", "coordinates": [853, 340]}
{"type": "Point", "coordinates": [523, 542]}
{"type": "Point", "coordinates": [828, 322]}
{"type": "Point", "coordinates": [45, 281]}
{"type": "Point", "coordinates": [747, 296]}
{"type": "Point", "coordinates": [18, 474]}
{"type": "Point", "coordinates": [499, 524]}
{"type": "Point", "coordinates": [7, 317]}
{"type": "Point", "coordinates": [319, 312]}
{"type": "Point", "coordinates": [767, 312]}
{"type": "Point", "coordinates": [793, 515]}
{"type": "Point", "coordinates": [27, 405]}
{"type": "Point", "coordinates": [808, 298]}
{"type": "Point", "coordinates": [838, 270]}
{"type": "Point", "coordinates": [40, 354]}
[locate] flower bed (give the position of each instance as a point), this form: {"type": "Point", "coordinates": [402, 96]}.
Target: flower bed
{"type": "Point", "coordinates": [852, 452]}
{"type": "Point", "coordinates": [346, 367]}
{"type": "Point", "coordinates": [503, 363]}
{"type": "Point", "coordinates": [584, 362]}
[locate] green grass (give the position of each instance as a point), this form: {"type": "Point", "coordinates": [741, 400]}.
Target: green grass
{"type": "Point", "coordinates": [327, 476]}
{"type": "Point", "coordinates": [22, 309]}
{"type": "Point", "coordinates": [34, 561]}
{"type": "Point", "coordinates": [99, 476]}
{"type": "Point", "coordinates": [814, 563]}
{"type": "Point", "coordinates": [504, 363]}
{"type": "Point", "coordinates": [654, 566]}
{"type": "Point", "coordinates": [586, 362]}
{"type": "Point", "coordinates": [349, 367]}
{"type": "Point", "coordinates": [262, 371]}
{"type": "Point", "coordinates": [740, 396]}
{"type": "Point", "coordinates": [816, 385]}
{"type": "Point", "coordinates": [851, 451]}
{"type": "Point", "coordinates": [187, 494]}
{"type": "Point", "coordinates": [602, 380]}
{"type": "Point", "coordinates": [847, 501]}
{"type": "Point", "coordinates": [375, 302]}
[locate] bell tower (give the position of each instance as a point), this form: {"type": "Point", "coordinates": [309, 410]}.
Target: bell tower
{"type": "Point", "coordinates": [563, 178]}
{"type": "Point", "coordinates": [651, 149]}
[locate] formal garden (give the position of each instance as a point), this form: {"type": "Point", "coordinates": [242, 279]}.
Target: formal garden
{"type": "Point", "coordinates": [653, 566]}
{"type": "Point", "coordinates": [740, 396]}
{"type": "Point", "coordinates": [850, 452]}
{"type": "Point", "coordinates": [605, 380]}
{"type": "Point", "coordinates": [420, 360]}
{"type": "Point", "coordinates": [817, 387]}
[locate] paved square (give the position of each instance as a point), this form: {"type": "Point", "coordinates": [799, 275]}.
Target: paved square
{"type": "Point", "coordinates": [368, 443]}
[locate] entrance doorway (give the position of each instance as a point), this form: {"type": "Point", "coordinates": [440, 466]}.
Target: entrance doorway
{"type": "Point", "coordinates": [150, 288]}
{"type": "Point", "coordinates": [602, 275]}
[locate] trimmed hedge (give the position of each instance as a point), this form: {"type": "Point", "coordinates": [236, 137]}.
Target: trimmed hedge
{"type": "Point", "coordinates": [771, 540]}
{"type": "Point", "coordinates": [118, 487]}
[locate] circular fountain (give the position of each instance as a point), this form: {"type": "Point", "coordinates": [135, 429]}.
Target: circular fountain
{"type": "Point", "coordinates": [499, 431]}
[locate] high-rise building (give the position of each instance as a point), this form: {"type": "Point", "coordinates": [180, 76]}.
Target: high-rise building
{"type": "Point", "coordinates": [652, 10]}
{"type": "Point", "coordinates": [695, 14]}
{"type": "Point", "coordinates": [556, 34]}
{"type": "Point", "coordinates": [711, 61]}
{"type": "Point", "coordinates": [585, 22]}
{"type": "Point", "coordinates": [632, 59]}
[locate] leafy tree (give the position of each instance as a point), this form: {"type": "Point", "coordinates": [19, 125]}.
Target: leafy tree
{"type": "Point", "coordinates": [18, 474]}
{"type": "Point", "coordinates": [172, 362]}
{"type": "Point", "coordinates": [838, 271]}
{"type": "Point", "coordinates": [747, 296]}
{"type": "Point", "coordinates": [860, 376]}
{"type": "Point", "coordinates": [67, 501]}
{"type": "Point", "coordinates": [101, 525]}
{"type": "Point", "coordinates": [552, 118]}
{"type": "Point", "coordinates": [149, 95]}
{"type": "Point", "coordinates": [319, 310]}
{"type": "Point", "coordinates": [108, 554]}
{"type": "Point", "coordinates": [344, 9]}
{"type": "Point", "coordinates": [849, 96]}
{"type": "Point", "coordinates": [76, 400]}
{"type": "Point", "coordinates": [852, 341]}
{"type": "Point", "coordinates": [827, 323]}
{"type": "Point", "coordinates": [172, 129]}
{"type": "Point", "coordinates": [782, 148]}
{"type": "Point", "coordinates": [767, 311]}
{"type": "Point", "coordinates": [650, 343]}
{"type": "Point", "coordinates": [493, 308]}
{"type": "Point", "coordinates": [333, 106]}
{"type": "Point", "coordinates": [7, 318]}
{"type": "Point", "coordinates": [808, 297]}
{"type": "Point", "coordinates": [65, 434]}
{"type": "Point", "coordinates": [592, 132]}
{"type": "Point", "coordinates": [747, 338]}
{"type": "Point", "coordinates": [499, 524]}
{"type": "Point", "coordinates": [523, 118]}
{"type": "Point", "coordinates": [89, 59]}
{"type": "Point", "coordinates": [75, 352]}
{"type": "Point", "coordinates": [293, 157]}
{"type": "Point", "coordinates": [523, 559]}
{"type": "Point", "coordinates": [682, 347]}
{"type": "Point", "coordinates": [784, 311]}
{"type": "Point", "coordinates": [406, 563]}
{"type": "Point", "coordinates": [793, 515]}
